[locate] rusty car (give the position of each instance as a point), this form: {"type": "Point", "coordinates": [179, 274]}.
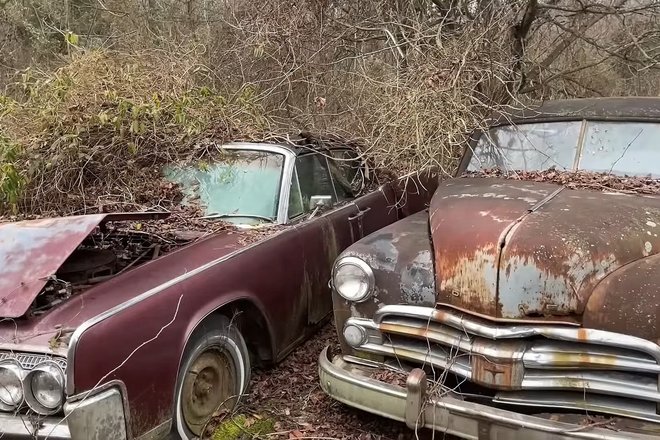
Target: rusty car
{"type": "Point", "coordinates": [110, 330]}
{"type": "Point", "coordinates": [516, 307]}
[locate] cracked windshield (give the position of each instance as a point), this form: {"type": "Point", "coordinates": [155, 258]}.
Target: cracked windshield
{"type": "Point", "coordinates": [621, 148]}
{"type": "Point", "coordinates": [243, 188]}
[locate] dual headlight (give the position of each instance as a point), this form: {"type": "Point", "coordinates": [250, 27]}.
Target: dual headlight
{"type": "Point", "coordinates": [353, 279]}
{"type": "Point", "coordinates": [42, 388]}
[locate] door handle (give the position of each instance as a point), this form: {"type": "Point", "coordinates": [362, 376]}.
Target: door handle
{"type": "Point", "coordinates": [360, 213]}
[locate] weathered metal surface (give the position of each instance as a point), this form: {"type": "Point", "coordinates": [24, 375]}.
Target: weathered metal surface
{"type": "Point", "coordinates": [610, 108]}
{"type": "Point", "coordinates": [401, 257]}
{"type": "Point", "coordinates": [555, 257]}
{"type": "Point", "coordinates": [32, 251]}
{"type": "Point", "coordinates": [627, 300]}
{"type": "Point", "coordinates": [456, 415]}
{"type": "Point", "coordinates": [515, 249]}
{"type": "Point", "coordinates": [98, 417]}
{"type": "Point", "coordinates": [469, 221]}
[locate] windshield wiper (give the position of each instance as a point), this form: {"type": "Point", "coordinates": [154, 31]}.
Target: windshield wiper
{"type": "Point", "coordinates": [214, 215]}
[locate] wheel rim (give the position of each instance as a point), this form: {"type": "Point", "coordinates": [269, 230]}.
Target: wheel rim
{"type": "Point", "coordinates": [209, 384]}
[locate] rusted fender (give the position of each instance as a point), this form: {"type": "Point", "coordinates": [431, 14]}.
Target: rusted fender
{"type": "Point", "coordinates": [517, 249]}
{"type": "Point", "coordinates": [627, 301]}
{"type": "Point", "coordinates": [401, 259]}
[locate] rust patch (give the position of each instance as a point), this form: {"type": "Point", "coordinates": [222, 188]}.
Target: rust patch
{"type": "Point", "coordinates": [469, 223]}
{"type": "Point", "coordinates": [515, 249]}
{"type": "Point", "coordinates": [496, 374]}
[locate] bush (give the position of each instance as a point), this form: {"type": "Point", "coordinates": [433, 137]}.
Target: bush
{"type": "Point", "coordinates": [97, 130]}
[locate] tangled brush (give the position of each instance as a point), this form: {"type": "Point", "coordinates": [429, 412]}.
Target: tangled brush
{"type": "Point", "coordinates": [97, 131]}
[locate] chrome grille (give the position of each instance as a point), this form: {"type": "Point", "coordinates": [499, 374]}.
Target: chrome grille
{"type": "Point", "coordinates": [538, 361]}
{"type": "Point", "coordinates": [30, 360]}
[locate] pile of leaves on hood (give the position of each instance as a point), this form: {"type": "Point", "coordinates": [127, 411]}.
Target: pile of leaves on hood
{"type": "Point", "coordinates": [578, 180]}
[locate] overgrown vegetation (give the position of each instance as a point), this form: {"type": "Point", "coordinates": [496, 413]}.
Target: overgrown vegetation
{"type": "Point", "coordinates": [101, 126]}
{"type": "Point", "coordinates": [99, 92]}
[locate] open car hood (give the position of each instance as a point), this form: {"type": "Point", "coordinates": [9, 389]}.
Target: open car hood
{"type": "Point", "coordinates": [32, 251]}
{"type": "Point", "coordinates": [519, 249]}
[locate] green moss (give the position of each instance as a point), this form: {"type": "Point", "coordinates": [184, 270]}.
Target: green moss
{"type": "Point", "coordinates": [241, 427]}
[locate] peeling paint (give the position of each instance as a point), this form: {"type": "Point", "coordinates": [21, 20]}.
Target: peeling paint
{"type": "Point", "coordinates": [508, 258]}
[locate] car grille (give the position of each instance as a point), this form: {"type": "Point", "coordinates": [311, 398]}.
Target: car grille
{"type": "Point", "coordinates": [30, 360]}
{"type": "Point", "coordinates": [544, 365]}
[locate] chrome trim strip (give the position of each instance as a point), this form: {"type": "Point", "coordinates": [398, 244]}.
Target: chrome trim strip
{"type": "Point", "coordinates": [548, 355]}
{"type": "Point", "coordinates": [557, 354]}
{"type": "Point", "coordinates": [615, 384]}
{"type": "Point", "coordinates": [471, 326]}
{"type": "Point", "coordinates": [637, 409]}
{"type": "Point", "coordinates": [75, 337]}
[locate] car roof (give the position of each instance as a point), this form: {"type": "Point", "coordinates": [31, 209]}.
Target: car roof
{"type": "Point", "coordinates": [631, 108]}
{"type": "Point", "coordinates": [296, 148]}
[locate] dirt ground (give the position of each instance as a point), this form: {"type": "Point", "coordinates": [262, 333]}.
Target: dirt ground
{"type": "Point", "coordinates": [287, 402]}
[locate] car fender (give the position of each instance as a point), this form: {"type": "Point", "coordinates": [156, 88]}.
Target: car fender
{"type": "Point", "coordinates": [626, 301]}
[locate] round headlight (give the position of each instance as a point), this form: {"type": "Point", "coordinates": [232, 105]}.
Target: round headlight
{"type": "Point", "coordinates": [11, 387]}
{"type": "Point", "coordinates": [355, 335]}
{"type": "Point", "coordinates": [353, 279]}
{"type": "Point", "coordinates": [46, 388]}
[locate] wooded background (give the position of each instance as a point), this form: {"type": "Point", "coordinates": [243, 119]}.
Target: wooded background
{"type": "Point", "coordinates": [407, 77]}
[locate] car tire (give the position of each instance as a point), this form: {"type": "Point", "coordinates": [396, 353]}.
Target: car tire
{"type": "Point", "coordinates": [215, 372]}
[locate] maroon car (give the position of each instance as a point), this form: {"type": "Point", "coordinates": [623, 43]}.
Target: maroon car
{"type": "Point", "coordinates": [524, 304]}
{"type": "Point", "coordinates": [115, 329]}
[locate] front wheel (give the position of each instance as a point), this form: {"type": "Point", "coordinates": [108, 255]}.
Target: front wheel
{"type": "Point", "coordinates": [214, 374]}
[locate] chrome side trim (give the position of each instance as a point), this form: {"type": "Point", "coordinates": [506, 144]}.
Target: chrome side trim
{"type": "Point", "coordinates": [75, 337]}
{"type": "Point", "coordinates": [159, 432]}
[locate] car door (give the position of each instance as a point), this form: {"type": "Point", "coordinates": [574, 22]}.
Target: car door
{"type": "Point", "coordinates": [375, 209]}
{"type": "Point", "coordinates": [390, 202]}
{"type": "Point", "coordinates": [324, 235]}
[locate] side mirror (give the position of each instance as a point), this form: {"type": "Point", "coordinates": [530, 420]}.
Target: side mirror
{"type": "Point", "coordinates": [317, 203]}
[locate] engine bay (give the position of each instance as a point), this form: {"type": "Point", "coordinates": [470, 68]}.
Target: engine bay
{"type": "Point", "coordinates": [107, 252]}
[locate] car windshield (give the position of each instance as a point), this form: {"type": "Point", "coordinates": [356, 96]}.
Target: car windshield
{"type": "Point", "coordinates": [623, 148]}
{"type": "Point", "coordinates": [243, 187]}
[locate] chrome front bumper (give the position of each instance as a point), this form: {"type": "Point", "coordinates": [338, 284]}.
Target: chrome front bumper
{"type": "Point", "coordinates": [20, 427]}
{"type": "Point", "coordinates": [99, 416]}
{"type": "Point", "coordinates": [447, 414]}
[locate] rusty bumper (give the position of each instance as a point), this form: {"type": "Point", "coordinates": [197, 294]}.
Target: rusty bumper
{"type": "Point", "coordinates": [351, 385]}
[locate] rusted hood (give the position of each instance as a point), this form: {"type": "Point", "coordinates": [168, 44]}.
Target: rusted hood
{"type": "Point", "coordinates": [32, 251]}
{"type": "Point", "coordinates": [517, 249]}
